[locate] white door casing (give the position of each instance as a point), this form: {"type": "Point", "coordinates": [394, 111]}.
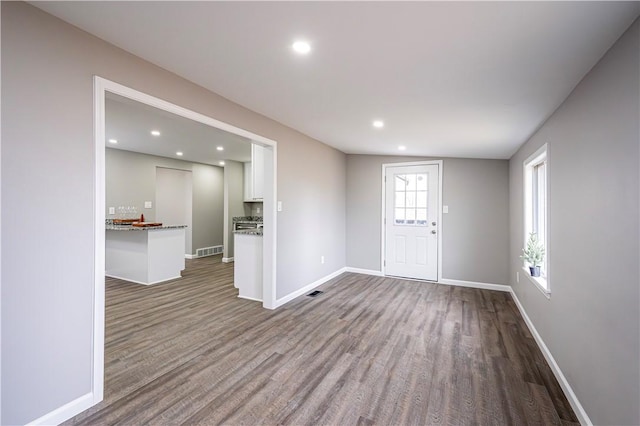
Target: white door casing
{"type": "Point", "coordinates": [411, 221]}
{"type": "Point", "coordinates": [101, 86]}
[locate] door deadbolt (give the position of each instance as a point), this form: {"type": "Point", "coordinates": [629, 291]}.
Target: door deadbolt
{"type": "Point", "coordinates": [433, 232]}
{"type": "Point", "coordinates": [433, 223]}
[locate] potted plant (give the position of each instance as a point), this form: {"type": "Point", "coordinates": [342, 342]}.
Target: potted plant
{"type": "Point", "coordinates": [533, 254]}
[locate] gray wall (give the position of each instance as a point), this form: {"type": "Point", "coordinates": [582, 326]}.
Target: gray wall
{"type": "Point", "coordinates": [475, 232]}
{"type": "Point", "coordinates": [312, 188]}
{"type": "Point", "coordinates": [125, 167]}
{"type": "Point", "coordinates": [233, 204]}
{"type": "Point", "coordinates": [591, 322]}
{"type": "Point", "coordinates": [48, 166]}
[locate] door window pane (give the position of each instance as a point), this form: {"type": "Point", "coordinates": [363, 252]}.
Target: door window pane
{"type": "Point", "coordinates": [411, 199]}
{"type": "Point", "coordinates": [421, 184]}
{"type": "Point", "coordinates": [421, 200]}
{"type": "Point", "coordinates": [411, 182]}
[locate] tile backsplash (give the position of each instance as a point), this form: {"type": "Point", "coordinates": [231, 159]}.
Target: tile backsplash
{"type": "Point", "coordinates": [253, 209]}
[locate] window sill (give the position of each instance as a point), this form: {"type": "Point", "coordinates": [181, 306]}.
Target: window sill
{"type": "Point", "coordinates": [540, 282]}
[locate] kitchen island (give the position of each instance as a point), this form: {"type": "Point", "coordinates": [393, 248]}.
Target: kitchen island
{"type": "Point", "coordinates": [144, 255]}
{"type": "Point", "coordinates": [247, 265]}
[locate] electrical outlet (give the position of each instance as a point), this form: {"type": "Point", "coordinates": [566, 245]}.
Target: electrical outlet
{"type": "Point", "coordinates": [322, 259]}
{"type": "Point", "coordinates": [112, 210]}
{"type": "Point", "coordinates": [147, 204]}
{"type": "Point", "coordinates": [517, 276]}
{"type": "Point", "coordinates": [279, 205]}
{"type": "Point", "coordinates": [258, 210]}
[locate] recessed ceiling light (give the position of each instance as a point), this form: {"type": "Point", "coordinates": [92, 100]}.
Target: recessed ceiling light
{"type": "Point", "coordinates": [179, 153]}
{"type": "Point", "coordinates": [155, 132]}
{"type": "Point", "coordinates": [402, 148]}
{"type": "Point", "coordinates": [220, 148]}
{"type": "Point", "coordinates": [221, 163]}
{"type": "Point", "coordinates": [113, 141]}
{"type": "Point", "coordinates": [301, 47]}
{"type": "Point", "coordinates": [378, 124]}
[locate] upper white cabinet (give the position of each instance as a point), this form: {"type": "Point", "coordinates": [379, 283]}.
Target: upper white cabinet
{"type": "Point", "coordinates": [254, 175]}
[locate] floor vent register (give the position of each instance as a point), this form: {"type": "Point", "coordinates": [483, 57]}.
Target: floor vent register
{"type": "Point", "coordinates": [315, 293]}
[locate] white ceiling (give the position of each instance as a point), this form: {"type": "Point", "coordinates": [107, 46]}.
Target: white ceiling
{"type": "Point", "coordinates": [131, 122]}
{"type": "Point", "coordinates": [461, 79]}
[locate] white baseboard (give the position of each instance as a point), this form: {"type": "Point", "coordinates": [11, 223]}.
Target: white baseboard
{"type": "Point", "coordinates": [190, 256]}
{"type": "Point", "coordinates": [474, 284]}
{"type": "Point", "coordinates": [65, 412]}
{"type": "Point", "coordinates": [564, 384]}
{"type": "Point", "coordinates": [364, 271]}
{"type": "Point", "coordinates": [227, 259]}
{"type": "Point", "coordinates": [250, 298]}
{"type": "Point", "coordinates": [305, 289]}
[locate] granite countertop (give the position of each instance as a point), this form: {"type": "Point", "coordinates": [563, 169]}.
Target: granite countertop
{"type": "Point", "coordinates": [140, 228]}
{"type": "Point", "coordinates": [256, 219]}
{"type": "Point", "coordinates": [257, 232]}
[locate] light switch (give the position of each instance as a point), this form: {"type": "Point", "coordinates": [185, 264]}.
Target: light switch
{"type": "Point", "coordinates": [279, 206]}
{"type": "Point", "coordinates": [445, 209]}
{"type": "Point", "coordinates": [112, 210]}
{"type": "Point", "coordinates": [147, 204]}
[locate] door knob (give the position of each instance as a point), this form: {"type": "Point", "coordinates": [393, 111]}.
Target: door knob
{"type": "Point", "coordinates": [433, 223]}
{"type": "Point", "coordinates": [433, 232]}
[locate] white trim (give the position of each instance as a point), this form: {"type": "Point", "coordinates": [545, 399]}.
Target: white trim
{"type": "Point", "coordinates": [97, 380]}
{"type": "Point", "coordinates": [537, 283]}
{"type": "Point", "coordinates": [65, 412]}
{"type": "Point", "coordinates": [305, 289]}
{"type": "Point", "coordinates": [364, 271]}
{"type": "Point", "coordinates": [227, 259]}
{"type": "Point", "coordinates": [440, 164]}
{"type": "Point", "coordinates": [475, 284]}
{"type": "Point", "coordinates": [555, 368]}
{"type": "Point", "coordinates": [0, 232]}
{"type": "Point", "coordinates": [270, 232]}
{"type": "Point", "coordinates": [534, 158]}
{"type": "Point", "coordinates": [250, 298]}
{"type": "Point", "coordinates": [190, 256]}
{"type": "Point", "coordinates": [100, 87]}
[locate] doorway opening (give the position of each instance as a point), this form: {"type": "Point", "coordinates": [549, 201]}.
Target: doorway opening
{"type": "Point", "coordinates": [412, 220]}
{"type": "Point", "coordinates": [102, 87]}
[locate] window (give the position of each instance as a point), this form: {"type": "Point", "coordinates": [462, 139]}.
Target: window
{"type": "Point", "coordinates": [535, 210]}
{"type": "Point", "coordinates": [410, 206]}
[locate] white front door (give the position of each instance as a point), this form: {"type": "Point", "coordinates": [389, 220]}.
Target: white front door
{"type": "Point", "coordinates": [411, 221]}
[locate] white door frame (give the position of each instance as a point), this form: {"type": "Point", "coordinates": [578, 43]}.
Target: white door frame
{"type": "Point", "coordinates": [100, 87]}
{"type": "Point", "coordinates": [383, 246]}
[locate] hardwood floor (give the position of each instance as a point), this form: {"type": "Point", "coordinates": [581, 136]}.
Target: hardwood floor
{"type": "Point", "coordinates": [370, 350]}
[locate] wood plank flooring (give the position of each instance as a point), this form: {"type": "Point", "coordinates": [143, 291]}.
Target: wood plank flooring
{"type": "Point", "coordinates": [370, 350]}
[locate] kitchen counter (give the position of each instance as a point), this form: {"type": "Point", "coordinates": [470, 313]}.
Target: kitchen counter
{"type": "Point", "coordinates": [141, 228]}
{"type": "Point", "coordinates": [149, 257]}
{"type": "Point", "coordinates": [251, 219]}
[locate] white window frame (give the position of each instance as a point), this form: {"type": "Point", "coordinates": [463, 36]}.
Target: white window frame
{"type": "Point", "coordinates": [540, 156]}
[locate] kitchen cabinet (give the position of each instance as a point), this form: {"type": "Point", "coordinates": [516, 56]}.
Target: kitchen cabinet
{"type": "Point", "coordinates": [144, 255]}
{"type": "Point", "coordinates": [254, 175]}
{"type": "Point", "coordinates": [247, 265]}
